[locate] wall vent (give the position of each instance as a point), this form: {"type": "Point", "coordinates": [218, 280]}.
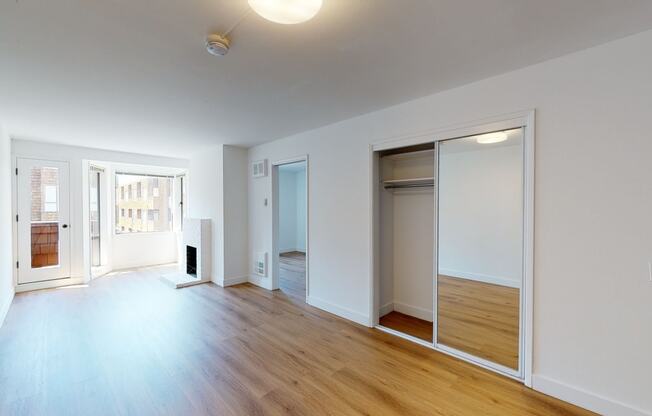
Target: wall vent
{"type": "Point", "coordinates": [260, 264]}
{"type": "Point", "coordinates": [259, 168]}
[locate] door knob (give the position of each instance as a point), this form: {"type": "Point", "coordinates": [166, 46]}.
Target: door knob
{"type": "Point", "coordinates": [64, 226]}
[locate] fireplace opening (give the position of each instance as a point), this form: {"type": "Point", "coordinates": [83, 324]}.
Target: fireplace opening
{"type": "Point", "coordinates": [191, 261]}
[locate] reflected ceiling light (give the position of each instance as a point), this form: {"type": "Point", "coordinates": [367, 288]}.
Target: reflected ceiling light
{"type": "Point", "coordinates": [497, 137]}
{"type": "Point", "coordinates": [287, 12]}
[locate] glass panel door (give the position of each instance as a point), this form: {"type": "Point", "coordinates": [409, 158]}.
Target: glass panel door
{"type": "Point", "coordinates": [94, 181]}
{"type": "Point", "coordinates": [480, 247]}
{"type": "Point", "coordinates": [43, 228]}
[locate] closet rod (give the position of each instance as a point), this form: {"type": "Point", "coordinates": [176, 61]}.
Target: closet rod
{"type": "Point", "coordinates": [416, 185]}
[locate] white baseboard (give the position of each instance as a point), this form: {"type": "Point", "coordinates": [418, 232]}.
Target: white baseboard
{"type": "Point", "coordinates": [583, 398]}
{"type": "Point", "coordinates": [479, 277]}
{"type": "Point", "coordinates": [417, 312]}
{"type": "Point", "coordinates": [340, 311]}
{"type": "Point", "coordinates": [4, 309]}
{"type": "Point", "coordinates": [260, 281]}
{"type": "Point", "coordinates": [292, 250]}
{"type": "Point", "coordinates": [386, 308]}
{"type": "Point", "coordinates": [50, 284]}
{"type": "Point", "coordinates": [230, 281]}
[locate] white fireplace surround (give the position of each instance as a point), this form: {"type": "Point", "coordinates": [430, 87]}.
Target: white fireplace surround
{"type": "Point", "coordinates": [196, 233]}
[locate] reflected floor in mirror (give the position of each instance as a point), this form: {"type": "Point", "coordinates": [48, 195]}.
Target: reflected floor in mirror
{"type": "Point", "coordinates": [479, 318]}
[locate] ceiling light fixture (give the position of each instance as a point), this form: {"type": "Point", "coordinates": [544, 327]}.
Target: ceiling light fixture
{"type": "Point", "coordinates": [488, 138]}
{"type": "Point", "coordinates": [287, 12]}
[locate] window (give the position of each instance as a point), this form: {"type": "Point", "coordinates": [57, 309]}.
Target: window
{"type": "Point", "coordinates": [152, 208]}
{"type": "Point", "coordinates": [50, 199]}
{"type": "Point", "coordinates": [154, 186]}
{"type": "Point", "coordinates": [122, 193]}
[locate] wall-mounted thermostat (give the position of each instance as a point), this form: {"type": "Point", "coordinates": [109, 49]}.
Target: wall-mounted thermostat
{"type": "Point", "coordinates": [259, 168]}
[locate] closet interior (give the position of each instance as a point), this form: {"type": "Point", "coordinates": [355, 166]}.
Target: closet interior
{"type": "Point", "coordinates": [406, 230]}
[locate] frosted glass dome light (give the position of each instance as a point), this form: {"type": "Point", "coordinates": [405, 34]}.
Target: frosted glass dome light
{"type": "Point", "coordinates": [287, 12]}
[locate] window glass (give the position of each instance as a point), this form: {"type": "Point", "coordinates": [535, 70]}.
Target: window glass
{"type": "Point", "coordinates": [147, 211]}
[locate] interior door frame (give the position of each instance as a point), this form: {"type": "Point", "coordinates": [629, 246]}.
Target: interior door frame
{"type": "Point", "coordinates": [275, 267]}
{"type": "Point", "coordinates": [526, 120]}
{"type": "Point", "coordinates": [65, 183]}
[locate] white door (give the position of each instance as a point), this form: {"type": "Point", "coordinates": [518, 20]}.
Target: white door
{"type": "Point", "coordinates": [43, 207]}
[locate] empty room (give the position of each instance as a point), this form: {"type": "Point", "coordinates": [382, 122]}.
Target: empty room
{"type": "Point", "coordinates": [326, 207]}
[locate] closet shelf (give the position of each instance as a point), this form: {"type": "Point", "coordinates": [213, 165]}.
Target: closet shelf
{"type": "Point", "coordinates": [409, 183]}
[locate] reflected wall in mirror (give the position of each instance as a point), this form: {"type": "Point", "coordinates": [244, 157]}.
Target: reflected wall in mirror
{"type": "Point", "coordinates": [480, 245]}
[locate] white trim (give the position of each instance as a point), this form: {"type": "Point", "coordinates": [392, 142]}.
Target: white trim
{"type": "Point", "coordinates": [479, 277]}
{"type": "Point", "coordinates": [258, 280]}
{"type": "Point", "coordinates": [579, 397]}
{"type": "Point", "coordinates": [4, 310]}
{"type": "Point", "coordinates": [386, 308]}
{"type": "Point", "coordinates": [417, 312]}
{"type": "Point", "coordinates": [340, 311]}
{"type": "Point", "coordinates": [230, 281]}
{"type": "Point", "coordinates": [50, 284]}
{"type": "Point", "coordinates": [500, 122]}
{"type": "Point", "coordinates": [527, 291]}
{"type": "Point", "coordinates": [404, 336]}
{"type": "Point", "coordinates": [481, 362]}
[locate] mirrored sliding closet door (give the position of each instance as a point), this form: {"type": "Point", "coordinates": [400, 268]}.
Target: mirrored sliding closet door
{"type": "Point", "coordinates": [480, 212]}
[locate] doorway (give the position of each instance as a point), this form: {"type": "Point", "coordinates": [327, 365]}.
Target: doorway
{"type": "Point", "coordinates": [43, 214]}
{"type": "Point", "coordinates": [291, 228]}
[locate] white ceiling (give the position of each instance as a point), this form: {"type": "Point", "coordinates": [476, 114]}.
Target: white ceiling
{"type": "Point", "coordinates": [133, 75]}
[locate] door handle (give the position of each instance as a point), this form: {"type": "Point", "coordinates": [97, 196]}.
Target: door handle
{"type": "Point", "coordinates": [64, 226]}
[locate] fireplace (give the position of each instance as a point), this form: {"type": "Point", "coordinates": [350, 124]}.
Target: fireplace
{"type": "Point", "coordinates": [194, 251]}
{"type": "Point", "coordinates": [191, 261]}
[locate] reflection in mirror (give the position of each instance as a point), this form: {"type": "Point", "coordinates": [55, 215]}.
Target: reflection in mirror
{"type": "Point", "coordinates": [480, 245]}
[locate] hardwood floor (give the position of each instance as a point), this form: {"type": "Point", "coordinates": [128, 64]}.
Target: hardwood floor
{"type": "Point", "coordinates": [292, 274]}
{"type": "Point", "coordinates": [408, 325]}
{"type": "Point", "coordinates": [475, 317]}
{"type": "Point", "coordinates": [130, 345]}
{"type": "Point", "coordinates": [479, 318]}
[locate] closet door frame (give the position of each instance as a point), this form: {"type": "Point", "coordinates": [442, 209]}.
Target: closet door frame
{"type": "Point", "coordinates": [525, 120]}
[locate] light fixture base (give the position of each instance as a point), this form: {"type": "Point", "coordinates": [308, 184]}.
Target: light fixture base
{"type": "Point", "coordinates": [217, 45]}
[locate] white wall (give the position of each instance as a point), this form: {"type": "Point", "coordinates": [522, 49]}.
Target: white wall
{"type": "Point", "coordinates": [481, 214]}
{"type": "Point", "coordinates": [593, 234]}
{"type": "Point", "coordinates": [301, 210]}
{"type": "Point", "coordinates": [292, 209]}
{"type": "Point", "coordinates": [6, 225]}
{"type": "Point", "coordinates": [143, 249]}
{"type": "Point", "coordinates": [236, 233]}
{"type": "Point", "coordinates": [77, 157]}
{"type": "Point", "coordinates": [287, 210]}
{"type": "Point", "coordinates": [218, 190]}
{"type": "Point", "coordinates": [205, 200]}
